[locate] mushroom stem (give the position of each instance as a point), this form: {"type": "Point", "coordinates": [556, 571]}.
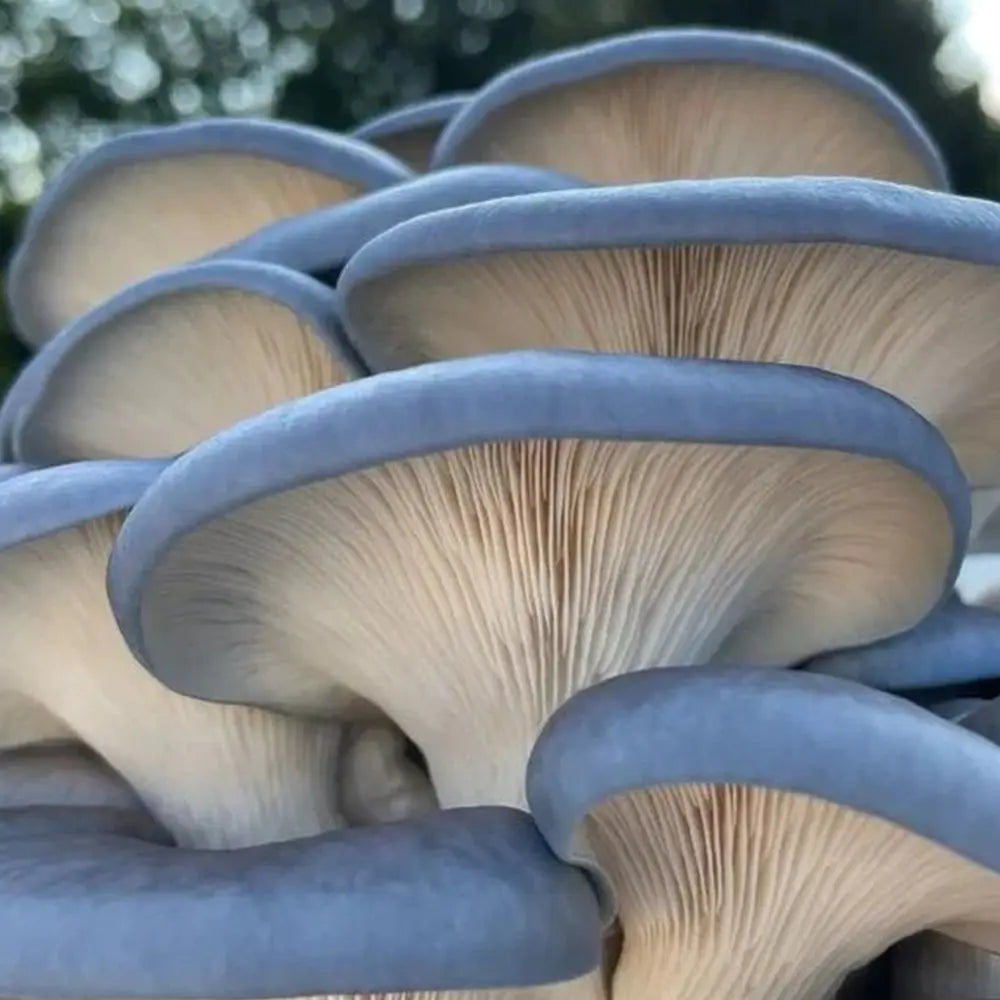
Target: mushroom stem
{"type": "Point", "coordinates": [730, 891]}
{"type": "Point", "coordinates": [217, 776]}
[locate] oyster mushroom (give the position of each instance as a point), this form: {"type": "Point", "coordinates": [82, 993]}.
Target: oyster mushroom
{"type": "Point", "coordinates": [173, 359]}
{"type": "Point", "coordinates": [214, 775]}
{"type": "Point", "coordinates": [466, 544]}
{"type": "Point", "coordinates": [469, 901]}
{"type": "Point", "coordinates": [660, 105]}
{"type": "Point", "coordinates": [886, 283]}
{"type": "Point", "coordinates": [409, 133]}
{"type": "Point", "coordinates": [321, 242]}
{"type": "Point", "coordinates": [207, 183]}
{"type": "Point", "coordinates": [763, 833]}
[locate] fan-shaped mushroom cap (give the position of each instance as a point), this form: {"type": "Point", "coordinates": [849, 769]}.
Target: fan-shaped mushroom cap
{"type": "Point", "coordinates": [410, 132]}
{"type": "Point", "coordinates": [215, 775]}
{"type": "Point", "coordinates": [10, 469]}
{"type": "Point", "coordinates": [957, 644]}
{"type": "Point", "coordinates": [461, 900]}
{"type": "Point", "coordinates": [172, 360]}
{"type": "Point", "coordinates": [660, 105]}
{"type": "Point", "coordinates": [897, 286]}
{"type": "Point", "coordinates": [207, 183]}
{"type": "Point", "coordinates": [466, 544]}
{"type": "Point", "coordinates": [320, 242]}
{"type": "Point", "coordinates": [765, 832]}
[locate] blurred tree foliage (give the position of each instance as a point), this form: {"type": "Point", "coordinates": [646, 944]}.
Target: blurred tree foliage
{"type": "Point", "coordinates": [74, 71]}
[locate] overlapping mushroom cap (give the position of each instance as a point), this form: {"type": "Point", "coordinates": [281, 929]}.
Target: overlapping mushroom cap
{"type": "Point", "coordinates": [207, 184]}
{"type": "Point", "coordinates": [886, 283]}
{"type": "Point", "coordinates": [957, 645]}
{"type": "Point", "coordinates": [765, 832]}
{"type": "Point", "coordinates": [214, 775]}
{"type": "Point", "coordinates": [321, 242]}
{"type": "Point", "coordinates": [659, 105]}
{"type": "Point", "coordinates": [530, 523]}
{"type": "Point", "coordinates": [173, 359]}
{"type": "Point", "coordinates": [461, 900]}
{"type": "Point", "coordinates": [61, 788]}
{"type": "Point", "coordinates": [410, 132]}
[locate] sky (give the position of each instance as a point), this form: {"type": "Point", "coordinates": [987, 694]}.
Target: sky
{"type": "Point", "coordinates": [972, 50]}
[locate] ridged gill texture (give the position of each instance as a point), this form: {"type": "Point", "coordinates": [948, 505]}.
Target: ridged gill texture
{"type": "Point", "coordinates": [921, 327]}
{"type": "Point", "coordinates": [215, 775]}
{"type": "Point", "coordinates": [729, 892]}
{"type": "Point", "coordinates": [696, 120]}
{"type": "Point", "coordinates": [470, 593]}
{"type": "Point", "coordinates": [103, 238]}
{"type": "Point", "coordinates": [171, 372]}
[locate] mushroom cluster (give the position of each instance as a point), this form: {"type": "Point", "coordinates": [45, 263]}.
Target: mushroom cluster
{"type": "Point", "coordinates": [508, 553]}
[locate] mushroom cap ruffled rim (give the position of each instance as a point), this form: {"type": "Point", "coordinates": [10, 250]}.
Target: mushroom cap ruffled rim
{"type": "Point", "coordinates": [294, 145]}
{"type": "Point", "coordinates": [461, 899]}
{"type": "Point", "coordinates": [784, 730]}
{"type": "Point", "coordinates": [45, 501]}
{"type": "Point", "coordinates": [956, 644]}
{"type": "Point", "coordinates": [311, 301]}
{"type": "Point", "coordinates": [324, 239]}
{"type": "Point", "coordinates": [686, 45]}
{"type": "Point", "coordinates": [514, 396]}
{"type": "Point", "coordinates": [427, 113]}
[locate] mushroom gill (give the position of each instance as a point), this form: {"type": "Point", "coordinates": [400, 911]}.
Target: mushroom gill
{"type": "Point", "coordinates": [529, 525]}
{"type": "Point", "coordinates": [660, 105]}
{"type": "Point", "coordinates": [771, 863]}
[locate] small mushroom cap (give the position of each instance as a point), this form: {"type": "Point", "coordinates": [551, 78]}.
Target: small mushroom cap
{"type": "Point", "coordinates": [65, 789]}
{"type": "Point", "coordinates": [173, 359]}
{"type": "Point", "coordinates": [765, 90]}
{"type": "Point", "coordinates": [44, 501]}
{"type": "Point", "coordinates": [957, 644]}
{"type": "Point", "coordinates": [61, 775]}
{"type": "Point", "coordinates": [464, 899]}
{"type": "Point", "coordinates": [436, 409]}
{"type": "Point", "coordinates": [320, 242]}
{"type": "Point", "coordinates": [210, 182]}
{"type": "Point", "coordinates": [905, 281]}
{"type": "Point", "coordinates": [410, 133]}
{"type": "Point", "coordinates": [784, 730]}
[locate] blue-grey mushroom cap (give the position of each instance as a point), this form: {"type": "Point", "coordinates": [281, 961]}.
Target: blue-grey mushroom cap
{"type": "Point", "coordinates": [514, 273]}
{"type": "Point", "coordinates": [824, 737]}
{"type": "Point", "coordinates": [10, 469]}
{"type": "Point", "coordinates": [45, 501]}
{"type": "Point", "coordinates": [694, 45]}
{"type": "Point", "coordinates": [412, 131]}
{"type": "Point", "coordinates": [329, 159]}
{"type": "Point", "coordinates": [420, 114]}
{"type": "Point", "coordinates": [321, 242]}
{"type": "Point", "coordinates": [463, 899]}
{"type": "Point", "coordinates": [103, 387]}
{"type": "Point", "coordinates": [551, 395]}
{"type": "Point", "coordinates": [956, 644]}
